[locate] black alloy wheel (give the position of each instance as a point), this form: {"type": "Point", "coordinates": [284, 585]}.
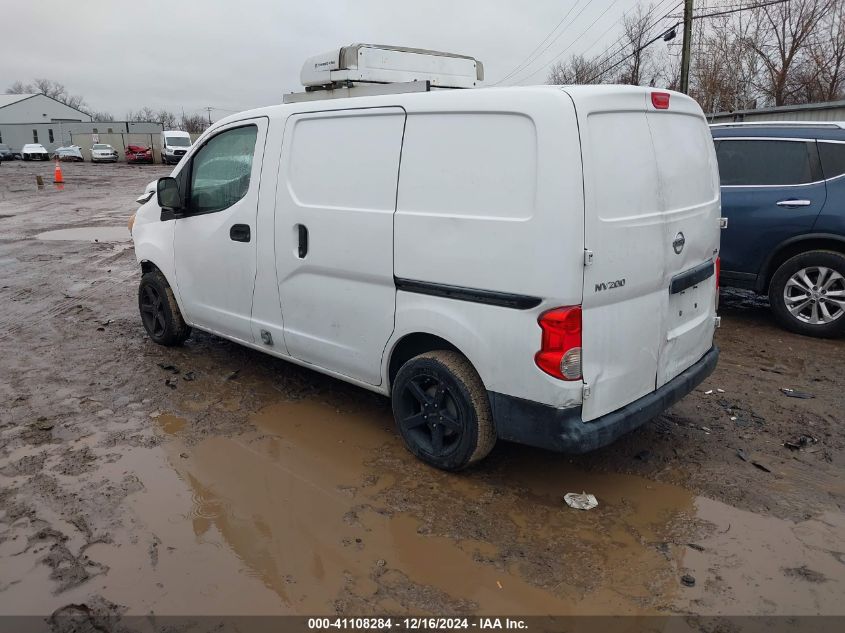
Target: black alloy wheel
{"type": "Point", "coordinates": [442, 410]}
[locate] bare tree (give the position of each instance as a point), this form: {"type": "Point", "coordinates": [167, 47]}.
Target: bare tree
{"type": "Point", "coordinates": [18, 88]}
{"type": "Point", "coordinates": [194, 124]}
{"type": "Point", "coordinates": [166, 118]}
{"type": "Point", "coordinates": [783, 34]}
{"type": "Point", "coordinates": [50, 88]}
{"type": "Point", "coordinates": [143, 114]}
{"type": "Point", "coordinates": [822, 76]}
{"type": "Point", "coordinates": [638, 65]}
{"type": "Point", "coordinates": [725, 67]}
{"type": "Point", "coordinates": [101, 116]}
{"type": "Point", "coordinates": [577, 69]}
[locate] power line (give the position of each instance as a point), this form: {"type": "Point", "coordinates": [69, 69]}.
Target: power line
{"type": "Point", "coordinates": [604, 59]}
{"type": "Point", "coordinates": [737, 9]}
{"type": "Point", "coordinates": [584, 32]}
{"type": "Point", "coordinates": [612, 24]}
{"type": "Point", "coordinates": [634, 52]}
{"type": "Point", "coordinates": [622, 47]}
{"type": "Point", "coordinates": [557, 37]}
{"type": "Point", "coordinates": [522, 63]}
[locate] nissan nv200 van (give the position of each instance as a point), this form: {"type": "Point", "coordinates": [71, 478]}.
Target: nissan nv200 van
{"type": "Point", "coordinates": [533, 264]}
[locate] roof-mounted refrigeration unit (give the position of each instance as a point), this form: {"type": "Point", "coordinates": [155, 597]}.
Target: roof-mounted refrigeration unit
{"type": "Point", "coordinates": [370, 69]}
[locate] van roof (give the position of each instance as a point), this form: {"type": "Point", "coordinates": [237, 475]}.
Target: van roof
{"type": "Point", "coordinates": [517, 97]}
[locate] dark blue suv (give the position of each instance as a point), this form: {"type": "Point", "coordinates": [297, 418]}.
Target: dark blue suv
{"type": "Point", "coordinates": [783, 192]}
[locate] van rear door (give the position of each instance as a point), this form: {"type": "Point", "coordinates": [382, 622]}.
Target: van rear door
{"type": "Point", "coordinates": [651, 197]}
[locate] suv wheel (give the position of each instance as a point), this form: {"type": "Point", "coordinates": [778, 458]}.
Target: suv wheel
{"type": "Point", "coordinates": [159, 312]}
{"type": "Point", "coordinates": [442, 410]}
{"type": "Point", "coordinates": [807, 294]}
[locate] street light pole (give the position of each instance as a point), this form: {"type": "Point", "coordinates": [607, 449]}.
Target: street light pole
{"type": "Point", "coordinates": [687, 46]}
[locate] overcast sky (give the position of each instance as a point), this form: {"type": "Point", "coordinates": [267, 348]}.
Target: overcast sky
{"type": "Point", "coordinates": [238, 54]}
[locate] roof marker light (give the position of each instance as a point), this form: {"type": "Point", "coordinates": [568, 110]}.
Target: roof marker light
{"type": "Point", "coordinates": [660, 100]}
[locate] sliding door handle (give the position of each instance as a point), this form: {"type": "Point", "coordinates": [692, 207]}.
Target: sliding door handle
{"type": "Point", "coordinates": [302, 230]}
{"type": "Point", "coordinates": [240, 233]}
{"type": "Point", "coordinates": [794, 203]}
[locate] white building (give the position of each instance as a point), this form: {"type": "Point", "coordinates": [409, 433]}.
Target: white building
{"type": "Point", "coordinates": [37, 108]}
{"type": "Point", "coordinates": [37, 118]}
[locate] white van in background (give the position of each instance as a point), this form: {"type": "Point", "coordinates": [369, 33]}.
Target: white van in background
{"type": "Point", "coordinates": [535, 264]}
{"type": "Point", "coordinates": [174, 145]}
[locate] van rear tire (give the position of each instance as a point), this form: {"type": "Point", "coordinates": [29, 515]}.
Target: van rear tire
{"type": "Point", "coordinates": [159, 311]}
{"type": "Point", "coordinates": [442, 410]}
{"type": "Point", "coordinates": [810, 287]}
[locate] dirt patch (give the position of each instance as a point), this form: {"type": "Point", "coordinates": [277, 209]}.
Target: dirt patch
{"type": "Point", "coordinates": [213, 479]}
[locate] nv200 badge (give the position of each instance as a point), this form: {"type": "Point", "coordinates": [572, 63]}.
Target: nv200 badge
{"type": "Point", "coordinates": [610, 285]}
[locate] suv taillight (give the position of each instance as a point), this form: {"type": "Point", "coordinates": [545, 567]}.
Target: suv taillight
{"type": "Point", "coordinates": [560, 348]}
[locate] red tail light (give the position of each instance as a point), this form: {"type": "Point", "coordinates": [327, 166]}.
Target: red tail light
{"type": "Point", "coordinates": [560, 349]}
{"type": "Point", "coordinates": [660, 100]}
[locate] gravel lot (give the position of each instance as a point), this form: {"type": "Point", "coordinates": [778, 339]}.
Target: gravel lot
{"type": "Point", "coordinates": [213, 479]}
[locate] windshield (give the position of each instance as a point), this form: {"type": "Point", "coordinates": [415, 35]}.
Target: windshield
{"type": "Point", "coordinates": [178, 141]}
{"type": "Point", "coordinates": [101, 146]}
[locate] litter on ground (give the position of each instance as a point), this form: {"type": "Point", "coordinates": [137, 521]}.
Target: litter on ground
{"type": "Point", "coordinates": [582, 501]}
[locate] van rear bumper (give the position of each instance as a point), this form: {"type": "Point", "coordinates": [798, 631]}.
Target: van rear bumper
{"type": "Point", "coordinates": [535, 424]}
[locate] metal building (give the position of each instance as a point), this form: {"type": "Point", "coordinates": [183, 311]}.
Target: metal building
{"type": "Point", "coordinates": [37, 118]}
{"type": "Point", "coordinates": [37, 108]}
{"type": "Point", "coordinates": [828, 111]}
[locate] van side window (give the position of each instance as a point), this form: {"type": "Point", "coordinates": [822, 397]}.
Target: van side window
{"type": "Point", "coordinates": [221, 170]}
{"type": "Point", "coordinates": [833, 159]}
{"type": "Point", "coordinates": [765, 162]}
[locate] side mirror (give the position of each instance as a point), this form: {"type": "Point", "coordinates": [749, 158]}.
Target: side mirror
{"type": "Point", "coordinates": [168, 195]}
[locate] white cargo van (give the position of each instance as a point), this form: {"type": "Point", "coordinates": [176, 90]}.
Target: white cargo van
{"type": "Point", "coordinates": [174, 145]}
{"type": "Point", "coordinates": [534, 264]}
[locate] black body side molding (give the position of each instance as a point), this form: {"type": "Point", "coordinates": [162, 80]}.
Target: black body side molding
{"type": "Point", "coordinates": [475, 295]}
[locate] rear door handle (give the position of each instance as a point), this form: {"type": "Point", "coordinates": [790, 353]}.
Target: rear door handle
{"type": "Point", "coordinates": [240, 233]}
{"type": "Point", "coordinates": [303, 240]}
{"type": "Point", "coordinates": [794, 203]}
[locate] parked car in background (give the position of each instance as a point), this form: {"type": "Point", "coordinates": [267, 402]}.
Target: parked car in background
{"type": "Point", "coordinates": [138, 154]}
{"type": "Point", "coordinates": [70, 153]}
{"type": "Point", "coordinates": [6, 152]}
{"type": "Point", "coordinates": [34, 151]}
{"type": "Point", "coordinates": [783, 192]}
{"type": "Point", "coordinates": [174, 145]}
{"type": "Point", "coordinates": [103, 153]}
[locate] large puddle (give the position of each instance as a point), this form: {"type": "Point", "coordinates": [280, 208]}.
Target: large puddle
{"type": "Point", "coordinates": [89, 234]}
{"type": "Point", "coordinates": [316, 510]}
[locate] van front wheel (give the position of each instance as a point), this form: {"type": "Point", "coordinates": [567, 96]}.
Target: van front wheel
{"type": "Point", "coordinates": [159, 311]}
{"type": "Point", "coordinates": [442, 410]}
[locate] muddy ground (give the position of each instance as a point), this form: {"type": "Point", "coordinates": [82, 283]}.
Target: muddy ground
{"type": "Point", "coordinates": [214, 479]}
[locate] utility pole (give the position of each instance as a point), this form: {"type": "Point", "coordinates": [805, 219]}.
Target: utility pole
{"type": "Point", "coordinates": [687, 46]}
{"type": "Point", "coordinates": [209, 108]}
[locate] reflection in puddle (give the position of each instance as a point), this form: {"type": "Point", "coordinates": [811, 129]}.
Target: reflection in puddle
{"type": "Point", "coordinates": [325, 509]}
{"type": "Point", "coordinates": [89, 234]}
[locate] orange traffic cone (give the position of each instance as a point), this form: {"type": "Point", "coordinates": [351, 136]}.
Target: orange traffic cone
{"type": "Point", "coordinates": [57, 176]}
